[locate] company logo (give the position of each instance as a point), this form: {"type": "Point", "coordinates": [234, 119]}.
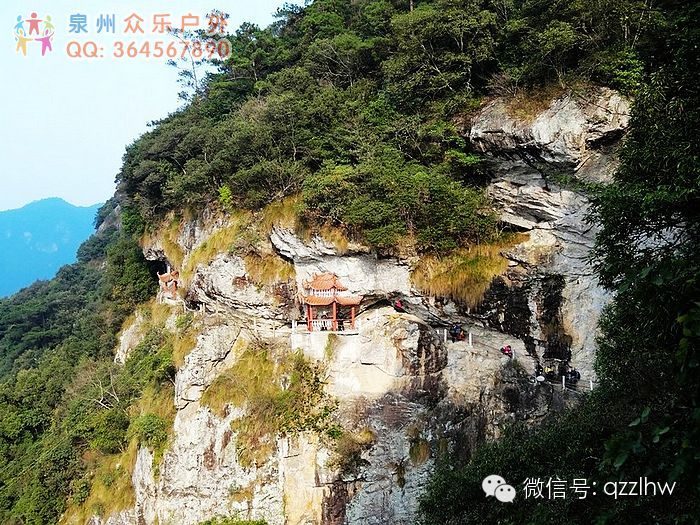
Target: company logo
{"type": "Point", "coordinates": [34, 32]}
{"type": "Point", "coordinates": [496, 486]}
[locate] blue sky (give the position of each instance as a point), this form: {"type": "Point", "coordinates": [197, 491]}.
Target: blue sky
{"type": "Point", "coordinates": [65, 121]}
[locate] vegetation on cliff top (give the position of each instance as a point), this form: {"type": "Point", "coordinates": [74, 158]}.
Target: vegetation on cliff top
{"type": "Point", "coordinates": [352, 106]}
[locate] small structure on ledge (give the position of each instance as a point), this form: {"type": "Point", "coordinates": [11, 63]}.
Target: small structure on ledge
{"type": "Point", "coordinates": [327, 304]}
{"type": "Point", "coordinates": [169, 283]}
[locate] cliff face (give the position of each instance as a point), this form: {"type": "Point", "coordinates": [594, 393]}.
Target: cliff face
{"type": "Point", "coordinates": [404, 393]}
{"type": "Point", "coordinates": [550, 298]}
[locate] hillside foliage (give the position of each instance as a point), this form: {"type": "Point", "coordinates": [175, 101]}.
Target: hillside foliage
{"type": "Point", "coordinates": [56, 347]}
{"type": "Point", "coordinates": [352, 104]}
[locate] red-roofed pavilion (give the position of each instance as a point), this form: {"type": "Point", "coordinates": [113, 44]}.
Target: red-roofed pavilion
{"type": "Point", "coordinates": [325, 292]}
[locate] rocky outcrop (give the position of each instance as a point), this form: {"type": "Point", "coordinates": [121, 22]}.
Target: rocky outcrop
{"type": "Point", "coordinates": [397, 380]}
{"type": "Point", "coordinates": [130, 336]}
{"type": "Point", "coordinates": [540, 169]}
{"type": "Point", "coordinates": [224, 284]}
{"type": "Point", "coordinates": [359, 270]}
{"type": "Point", "coordinates": [405, 393]}
{"type": "Point", "coordinates": [212, 353]}
{"type": "Point", "coordinates": [577, 133]}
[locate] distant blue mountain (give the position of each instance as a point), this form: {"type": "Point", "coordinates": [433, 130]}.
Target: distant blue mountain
{"type": "Point", "coordinates": [35, 241]}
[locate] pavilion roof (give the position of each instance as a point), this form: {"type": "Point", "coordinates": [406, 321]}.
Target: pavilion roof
{"type": "Point", "coordinates": [352, 300]}
{"type": "Point", "coordinates": [325, 281]}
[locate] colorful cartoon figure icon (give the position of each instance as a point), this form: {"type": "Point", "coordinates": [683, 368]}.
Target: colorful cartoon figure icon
{"type": "Point", "coordinates": [22, 42]}
{"type": "Point", "coordinates": [34, 33]}
{"type": "Point", "coordinates": [45, 42]}
{"type": "Point", "coordinates": [34, 24]}
{"type": "Point", "coordinates": [47, 24]}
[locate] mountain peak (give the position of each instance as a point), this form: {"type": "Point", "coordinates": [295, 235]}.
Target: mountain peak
{"type": "Point", "coordinates": [51, 202]}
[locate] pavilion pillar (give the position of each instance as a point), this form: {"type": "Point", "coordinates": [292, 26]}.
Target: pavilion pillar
{"type": "Point", "coordinates": [352, 317]}
{"type": "Point", "coordinates": [335, 316]}
{"type": "Point", "coordinates": [309, 318]}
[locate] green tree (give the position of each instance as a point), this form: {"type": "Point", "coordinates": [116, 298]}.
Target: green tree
{"type": "Point", "coordinates": [128, 276]}
{"type": "Point", "coordinates": [443, 47]}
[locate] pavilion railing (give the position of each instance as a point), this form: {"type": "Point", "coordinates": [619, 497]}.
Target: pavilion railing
{"type": "Point", "coordinates": [326, 325]}
{"type": "Point", "coordinates": [322, 324]}
{"type": "Point", "coordinates": [322, 293]}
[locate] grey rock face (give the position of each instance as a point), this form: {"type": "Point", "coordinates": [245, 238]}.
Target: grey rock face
{"type": "Point", "coordinates": [129, 338]}
{"type": "Point", "coordinates": [224, 284]}
{"type": "Point", "coordinates": [573, 134]}
{"type": "Point", "coordinates": [361, 272]}
{"type": "Point", "coordinates": [210, 356]}
{"type": "Point", "coordinates": [571, 142]}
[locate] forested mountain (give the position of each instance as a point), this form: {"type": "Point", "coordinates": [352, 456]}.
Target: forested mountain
{"type": "Point", "coordinates": [345, 115]}
{"type": "Point", "coordinates": [39, 238]}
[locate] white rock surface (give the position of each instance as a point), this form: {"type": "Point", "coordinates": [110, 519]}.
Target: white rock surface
{"type": "Point", "coordinates": [361, 273]}
{"type": "Point", "coordinates": [571, 134]}
{"type": "Point", "coordinates": [212, 354]}
{"type": "Point", "coordinates": [224, 284]}
{"type": "Point", "coordinates": [575, 136]}
{"type": "Point", "coordinates": [129, 338]}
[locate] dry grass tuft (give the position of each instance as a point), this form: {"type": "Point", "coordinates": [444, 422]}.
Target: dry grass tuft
{"type": "Point", "coordinates": [332, 344]}
{"type": "Point", "coordinates": [219, 242]}
{"type": "Point", "coordinates": [527, 105]}
{"type": "Point", "coordinates": [224, 390]}
{"type": "Point", "coordinates": [280, 393]}
{"type": "Point", "coordinates": [242, 494]}
{"type": "Point", "coordinates": [245, 236]}
{"type": "Point", "coordinates": [268, 269]}
{"type": "Point", "coordinates": [419, 451]}
{"type": "Point", "coordinates": [464, 275]}
{"type": "Point", "coordinates": [111, 490]}
{"type": "Point", "coordinates": [283, 213]}
{"type": "Point", "coordinates": [183, 344]}
{"type": "Point", "coordinates": [335, 236]}
{"type": "Point", "coordinates": [252, 384]}
{"type": "Point", "coordinates": [156, 401]}
{"type": "Point", "coordinates": [157, 314]}
{"type": "Point", "coordinates": [349, 448]}
{"type": "Point", "coordinates": [167, 236]}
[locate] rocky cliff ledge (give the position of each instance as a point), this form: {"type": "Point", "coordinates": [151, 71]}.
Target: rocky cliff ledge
{"type": "Point", "coordinates": [404, 393]}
